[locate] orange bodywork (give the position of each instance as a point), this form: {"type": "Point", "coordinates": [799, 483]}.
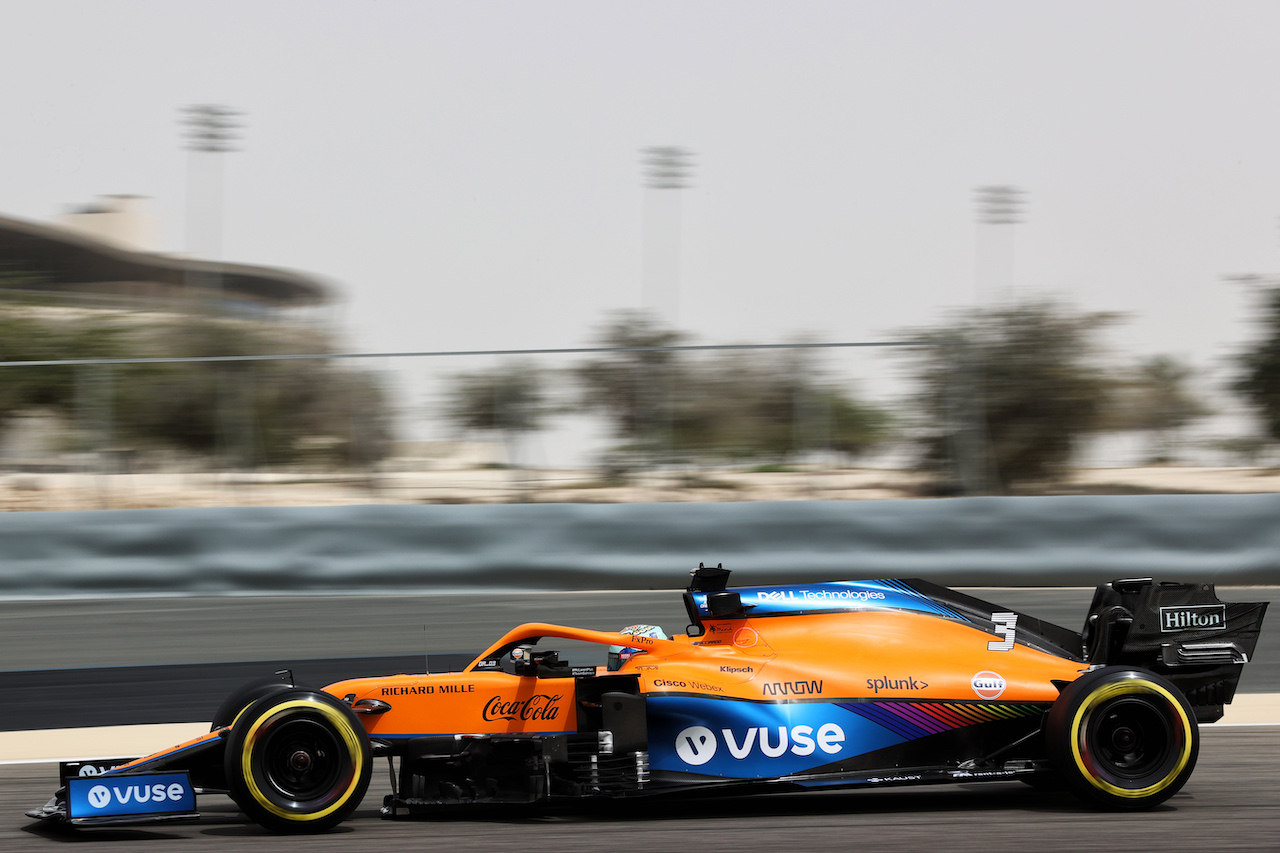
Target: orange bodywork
{"type": "Point", "coordinates": [876, 654]}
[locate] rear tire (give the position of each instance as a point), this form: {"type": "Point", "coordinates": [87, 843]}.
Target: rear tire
{"type": "Point", "coordinates": [298, 761]}
{"type": "Point", "coordinates": [1123, 738]}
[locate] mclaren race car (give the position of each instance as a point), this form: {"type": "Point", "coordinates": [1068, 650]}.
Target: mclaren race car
{"type": "Point", "coordinates": [825, 685]}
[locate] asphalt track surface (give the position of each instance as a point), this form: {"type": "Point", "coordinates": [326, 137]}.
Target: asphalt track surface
{"type": "Point", "coordinates": [89, 651]}
{"type": "Point", "coordinates": [1232, 802]}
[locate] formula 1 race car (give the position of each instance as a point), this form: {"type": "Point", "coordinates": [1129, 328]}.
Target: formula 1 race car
{"type": "Point", "coordinates": [853, 683]}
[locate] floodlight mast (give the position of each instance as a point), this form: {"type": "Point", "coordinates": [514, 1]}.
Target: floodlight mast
{"type": "Point", "coordinates": [211, 127]}
{"type": "Point", "coordinates": [977, 470]}
{"type": "Point", "coordinates": [1000, 205]}
{"type": "Point", "coordinates": [210, 130]}
{"type": "Point", "coordinates": [666, 169]}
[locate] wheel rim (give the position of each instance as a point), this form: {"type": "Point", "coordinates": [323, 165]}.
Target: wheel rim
{"type": "Point", "coordinates": [1131, 739]}
{"type": "Point", "coordinates": [301, 760]}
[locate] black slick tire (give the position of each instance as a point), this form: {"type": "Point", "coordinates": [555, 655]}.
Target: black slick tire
{"type": "Point", "coordinates": [298, 761]}
{"type": "Point", "coordinates": [243, 697]}
{"type": "Point", "coordinates": [1123, 738]}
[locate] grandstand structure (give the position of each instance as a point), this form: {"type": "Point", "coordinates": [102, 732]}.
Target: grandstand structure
{"type": "Point", "coordinates": [102, 255]}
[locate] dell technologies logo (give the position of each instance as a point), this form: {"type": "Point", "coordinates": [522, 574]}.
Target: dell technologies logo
{"type": "Point", "coordinates": [1204, 617]}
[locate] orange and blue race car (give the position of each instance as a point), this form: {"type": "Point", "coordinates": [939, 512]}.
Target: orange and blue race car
{"type": "Point", "coordinates": [824, 685]}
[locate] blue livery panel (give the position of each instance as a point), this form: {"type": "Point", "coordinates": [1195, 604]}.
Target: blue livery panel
{"type": "Point", "coordinates": [123, 796]}
{"type": "Point", "coordinates": [834, 597]}
{"type": "Point", "coordinates": [752, 740]}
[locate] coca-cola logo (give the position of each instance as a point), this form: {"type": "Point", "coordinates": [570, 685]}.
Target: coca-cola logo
{"type": "Point", "coordinates": [537, 707]}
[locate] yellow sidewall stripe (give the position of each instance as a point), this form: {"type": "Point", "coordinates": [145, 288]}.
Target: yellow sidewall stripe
{"type": "Point", "coordinates": [343, 726]}
{"type": "Point", "coordinates": [1123, 688]}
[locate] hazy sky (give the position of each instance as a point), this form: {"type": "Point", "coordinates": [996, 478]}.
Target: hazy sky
{"type": "Point", "coordinates": [468, 172]}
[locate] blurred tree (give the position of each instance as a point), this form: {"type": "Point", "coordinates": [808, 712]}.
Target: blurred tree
{"type": "Point", "coordinates": [856, 427]}
{"type": "Point", "coordinates": [1008, 392]}
{"type": "Point", "coordinates": [633, 387]}
{"type": "Point", "coordinates": [1248, 451]}
{"type": "Point", "coordinates": [368, 410]}
{"type": "Point", "coordinates": [272, 412]}
{"type": "Point", "coordinates": [510, 400]}
{"type": "Point", "coordinates": [773, 407]}
{"type": "Point", "coordinates": [198, 407]}
{"type": "Point", "coordinates": [1155, 399]}
{"type": "Point", "coordinates": [738, 405]}
{"type": "Point", "coordinates": [1259, 378]}
{"type": "Point", "coordinates": [27, 338]}
{"type": "Point", "coordinates": [251, 412]}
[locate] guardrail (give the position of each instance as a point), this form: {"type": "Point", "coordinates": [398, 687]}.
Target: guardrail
{"type": "Point", "coordinates": [1050, 541]}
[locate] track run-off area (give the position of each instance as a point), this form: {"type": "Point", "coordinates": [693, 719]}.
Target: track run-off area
{"type": "Point", "coordinates": [75, 672]}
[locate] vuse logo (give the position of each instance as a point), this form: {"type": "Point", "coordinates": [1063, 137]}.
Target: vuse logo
{"type": "Point", "coordinates": [697, 745]}
{"type": "Point", "coordinates": [101, 796]}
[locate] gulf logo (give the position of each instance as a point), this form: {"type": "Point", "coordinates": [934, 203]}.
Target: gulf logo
{"type": "Point", "coordinates": [988, 684]}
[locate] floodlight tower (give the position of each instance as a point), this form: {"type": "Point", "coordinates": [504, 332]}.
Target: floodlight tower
{"type": "Point", "coordinates": [999, 205]}
{"type": "Point", "coordinates": [667, 170]}
{"type": "Point", "coordinates": [210, 132]}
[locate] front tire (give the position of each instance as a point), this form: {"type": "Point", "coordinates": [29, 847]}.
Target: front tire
{"type": "Point", "coordinates": [1123, 738]}
{"type": "Point", "coordinates": [235, 704]}
{"type": "Point", "coordinates": [298, 761]}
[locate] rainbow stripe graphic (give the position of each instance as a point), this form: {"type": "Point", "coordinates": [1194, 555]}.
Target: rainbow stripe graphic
{"type": "Point", "coordinates": [913, 720]}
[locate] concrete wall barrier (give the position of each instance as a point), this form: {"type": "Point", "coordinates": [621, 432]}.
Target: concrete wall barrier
{"type": "Point", "coordinates": [1074, 540]}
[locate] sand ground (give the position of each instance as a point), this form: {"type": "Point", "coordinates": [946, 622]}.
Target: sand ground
{"type": "Point", "coordinates": [80, 491]}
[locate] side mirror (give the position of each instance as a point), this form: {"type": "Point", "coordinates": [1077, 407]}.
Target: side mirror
{"type": "Point", "coordinates": [522, 661]}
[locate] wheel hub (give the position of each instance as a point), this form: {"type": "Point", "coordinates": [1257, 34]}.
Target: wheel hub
{"type": "Point", "coordinates": [1124, 739]}
{"type": "Point", "coordinates": [300, 761]}
{"type": "Point", "coordinates": [1134, 738]}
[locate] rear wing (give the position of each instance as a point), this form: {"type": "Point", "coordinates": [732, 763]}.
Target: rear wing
{"type": "Point", "coordinates": [1180, 630]}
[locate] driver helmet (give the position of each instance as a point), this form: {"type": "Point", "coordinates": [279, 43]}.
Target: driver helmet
{"type": "Point", "coordinates": [618, 655]}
